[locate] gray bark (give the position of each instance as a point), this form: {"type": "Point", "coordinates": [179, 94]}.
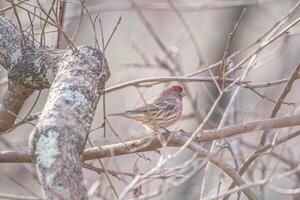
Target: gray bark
{"type": "Point", "coordinates": [76, 81]}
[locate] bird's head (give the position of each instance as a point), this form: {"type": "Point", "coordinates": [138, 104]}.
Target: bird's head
{"type": "Point", "coordinates": [174, 90]}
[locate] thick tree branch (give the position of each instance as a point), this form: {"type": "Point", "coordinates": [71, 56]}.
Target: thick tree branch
{"type": "Point", "coordinates": [76, 81]}
{"type": "Point", "coordinates": [28, 69]}
{"type": "Point", "coordinates": [12, 103]}
{"type": "Point", "coordinates": [60, 135]}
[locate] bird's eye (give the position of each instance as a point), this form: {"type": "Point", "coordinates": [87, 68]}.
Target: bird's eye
{"type": "Point", "coordinates": [182, 93]}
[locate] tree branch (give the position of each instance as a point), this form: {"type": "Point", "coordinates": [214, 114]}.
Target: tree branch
{"type": "Point", "coordinates": [76, 81]}
{"type": "Point", "coordinates": [28, 69]}
{"type": "Point", "coordinates": [12, 103]}
{"type": "Point", "coordinates": [150, 144]}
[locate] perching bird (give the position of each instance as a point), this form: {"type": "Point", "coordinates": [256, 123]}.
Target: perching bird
{"type": "Point", "coordinates": [161, 112]}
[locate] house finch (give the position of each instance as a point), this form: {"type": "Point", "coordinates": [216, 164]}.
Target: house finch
{"type": "Point", "coordinates": [162, 111]}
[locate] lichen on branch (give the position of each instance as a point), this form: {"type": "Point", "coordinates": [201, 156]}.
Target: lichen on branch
{"type": "Point", "coordinates": [76, 81]}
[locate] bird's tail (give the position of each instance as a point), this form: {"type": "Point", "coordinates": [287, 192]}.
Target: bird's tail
{"type": "Point", "coordinates": [123, 114]}
{"type": "Point", "coordinates": [128, 114]}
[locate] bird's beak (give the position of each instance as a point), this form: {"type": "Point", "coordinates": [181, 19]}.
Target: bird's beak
{"type": "Point", "coordinates": [183, 94]}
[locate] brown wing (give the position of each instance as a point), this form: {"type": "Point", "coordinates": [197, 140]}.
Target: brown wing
{"type": "Point", "coordinates": [154, 115]}
{"type": "Point", "coordinates": [143, 113]}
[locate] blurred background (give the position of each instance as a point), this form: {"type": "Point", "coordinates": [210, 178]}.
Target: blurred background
{"type": "Point", "coordinates": [160, 38]}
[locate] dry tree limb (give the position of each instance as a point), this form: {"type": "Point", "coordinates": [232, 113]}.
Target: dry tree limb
{"type": "Point", "coordinates": [138, 145]}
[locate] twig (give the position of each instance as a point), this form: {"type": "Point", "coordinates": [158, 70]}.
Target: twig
{"type": "Point", "coordinates": [76, 32]}
{"type": "Point", "coordinates": [113, 32]}
{"type": "Point", "coordinates": [23, 42]}
{"type": "Point", "coordinates": [224, 63]}
{"type": "Point", "coordinates": [61, 13]}
{"type": "Point", "coordinates": [68, 40]}
{"type": "Point", "coordinates": [20, 184]}
{"type": "Point", "coordinates": [188, 30]}
{"type": "Point", "coordinates": [114, 173]}
{"type": "Point", "coordinates": [106, 174]}
{"type": "Point", "coordinates": [18, 197]}
{"type": "Point", "coordinates": [255, 183]}
{"type": "Point", "coordinates": [281, 98]}
{"type": "Point", "coordinates": [159, 80]}
{"type": "Point", "coordinates": [265, 44]}
{"type": "Point", "coordinates": [10, 7]}
{"type": "Point", "coordinates": [263, 96]}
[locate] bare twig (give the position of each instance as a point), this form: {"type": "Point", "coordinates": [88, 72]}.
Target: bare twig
{"type": "Point", "coordinates": [224, 63]}
{"type": "Point", "coordinates": [113, 32]}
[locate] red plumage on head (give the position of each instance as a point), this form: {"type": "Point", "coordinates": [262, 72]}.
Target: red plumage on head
{"type": "Point", "coordinates": [173, 89]}
{"type": "Point", "coordinates": [176, 88]}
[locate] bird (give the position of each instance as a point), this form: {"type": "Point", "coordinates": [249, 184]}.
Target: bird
{"type": "Point", "coordinates": [161, 112]}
